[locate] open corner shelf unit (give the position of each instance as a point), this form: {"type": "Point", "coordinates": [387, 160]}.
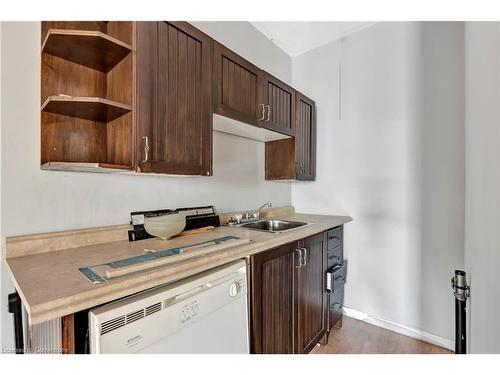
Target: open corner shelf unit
{"type": "Point", "coordinates": [93, 49]}
{"type": "Point", "coordinates": [87, 96]}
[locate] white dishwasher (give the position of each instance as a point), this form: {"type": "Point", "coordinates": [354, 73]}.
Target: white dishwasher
{"type": "Point", "coordinates": [205, 313]}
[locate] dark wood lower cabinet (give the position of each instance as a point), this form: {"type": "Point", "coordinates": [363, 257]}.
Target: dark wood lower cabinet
{"type": "Point", "coordinates": [288, 299]}
{"type": "Point", "coordinates": [311, 298]}
{"type": "Point", "coordinates": [272, 301]}
{"type": "Point", "coordinates": [68, 334]}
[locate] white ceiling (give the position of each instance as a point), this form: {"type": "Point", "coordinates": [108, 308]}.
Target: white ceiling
{"type": "Point", "coordinates": [296, 38]}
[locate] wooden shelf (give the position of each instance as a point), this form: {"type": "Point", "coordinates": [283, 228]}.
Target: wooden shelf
{"type": "Point", "coordinates": [88, 108]}
{"type": "Point", "coordinates": [89, 48]}
{"type": "Point", "coordinates": [85, 167]}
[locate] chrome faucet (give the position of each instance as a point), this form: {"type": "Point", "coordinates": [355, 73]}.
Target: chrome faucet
{"type": "Point", "coordinates": [265, 205]}
{"type": "Point", "coordinates": [248, 216]}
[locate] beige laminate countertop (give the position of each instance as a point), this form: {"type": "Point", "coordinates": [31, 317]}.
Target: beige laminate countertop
{"type": "Point", "coordinates": [51, 286]}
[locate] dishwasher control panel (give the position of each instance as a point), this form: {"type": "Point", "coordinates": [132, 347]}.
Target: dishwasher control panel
{"type": "Point", "coordinates": [209, 297]}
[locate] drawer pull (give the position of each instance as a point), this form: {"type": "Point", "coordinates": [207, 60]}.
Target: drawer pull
{"type": "Point", "coordinates": [335, 277]}
{"type": "Point", "coordinates": [336, 238]}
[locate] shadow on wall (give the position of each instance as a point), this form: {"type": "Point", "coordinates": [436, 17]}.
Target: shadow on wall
{"type": "Point", "coordinates": [420, 234]}
{"type": "Point", "coordinates": [442, 191]}
{"type": "Point", "coordinates": [393, 159]}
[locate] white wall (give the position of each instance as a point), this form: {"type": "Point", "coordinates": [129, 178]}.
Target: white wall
{"type": "Point", "coordinates": [2, 255]}
{"type": "Point", "coordinates": [391, 155]}
{"type": "Point", "coordinates": [36, 201]}
{"type": "Point", "coordinates": [482, 240]}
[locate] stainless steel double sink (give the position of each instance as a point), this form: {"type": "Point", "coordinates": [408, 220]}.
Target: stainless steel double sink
{"type": "Point", "coordinates": [272, 225]}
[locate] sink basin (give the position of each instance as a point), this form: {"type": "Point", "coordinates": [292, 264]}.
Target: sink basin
{"type": "Point", "coordinates": [273, 226]}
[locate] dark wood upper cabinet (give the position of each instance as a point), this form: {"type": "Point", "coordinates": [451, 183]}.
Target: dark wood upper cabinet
{"type": "Point", "coordinates": [288, 297]}
{"type": "Point", "coordinates": [248, 94]}
{"type": "Point", "coordinates": [272, 300]}
{"type": "Point", "coordinates": [279, 105]}
{"type": "Point", "coordinates": [141, 96]}
{"type": "Point", "coordinates": [174, 99]}
{"type": "Point", "coordinates": [236, 86]}
{"type": "Point", "coordinates": [311, 297]}
{"type": "Point", "coordinates": [295, 158]}
{"type": "Point", "coordinates": [305, 138]}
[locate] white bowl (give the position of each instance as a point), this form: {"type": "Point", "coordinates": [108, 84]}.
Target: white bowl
{"type": "Point", "coordinates": [165, 226]}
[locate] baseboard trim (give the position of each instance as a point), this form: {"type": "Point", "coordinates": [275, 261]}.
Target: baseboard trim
{"type": "Point", "coordinates": [401, 329]}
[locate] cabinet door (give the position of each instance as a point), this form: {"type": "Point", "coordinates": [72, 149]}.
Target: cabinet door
{"type": "Point", "coordinates": [305, 138]}
{"type": "Point", "coordinates": [279, 99]}
{"type": "Point", "coordinates": [272, 301]}
{"type": "Point", "coordinates": [311, 297]}
{"type": "Point", "coordinates": [174, 80]}
{"type": "Point", "coordinates": [235, 86]}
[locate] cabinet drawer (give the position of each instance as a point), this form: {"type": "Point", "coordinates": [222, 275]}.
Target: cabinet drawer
{"type": "Point", "coordinates": [335, 256]}
{"type": "Point", "coordinates": [335, 237]}
{"type": "Point", "coordinates": [335, 277]}
{"type": "Point", "coordinates": [337, 299]}
{"type": "Point", "coordinates": [335, 304]}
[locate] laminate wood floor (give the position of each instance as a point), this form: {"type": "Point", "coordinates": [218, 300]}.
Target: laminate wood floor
{"type": "Point", "coordinates": [356, 337]}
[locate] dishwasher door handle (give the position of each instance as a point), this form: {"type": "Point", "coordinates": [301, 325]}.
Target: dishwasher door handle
{"type": "Point", "coordinates": [183, 296]}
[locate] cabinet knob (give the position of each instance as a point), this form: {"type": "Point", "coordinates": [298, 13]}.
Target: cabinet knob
{"type": "Point", "coordinates": [234, 289]}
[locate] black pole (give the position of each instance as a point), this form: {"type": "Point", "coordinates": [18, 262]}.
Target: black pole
{"type": "Point", "coordinates": [15, 308]}
{"type": "Point", "coordinates": [461, 293]}
{"type": "Point", "coordinates": [460, 329]}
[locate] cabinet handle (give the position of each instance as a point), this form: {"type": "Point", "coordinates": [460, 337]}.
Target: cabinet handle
{"type": "Point", "coordinates": [300, 258]}
{"type": "Point", "coordinates": [268, 113]}
{"type": "Point", "coordinates": [263, 112]}
{"type": "Point", "coordinates": [146, 149]}
{"type": "Point", "coordinates": [334, 238]}
{"type": "Point", "coordinates": [305, 256]}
